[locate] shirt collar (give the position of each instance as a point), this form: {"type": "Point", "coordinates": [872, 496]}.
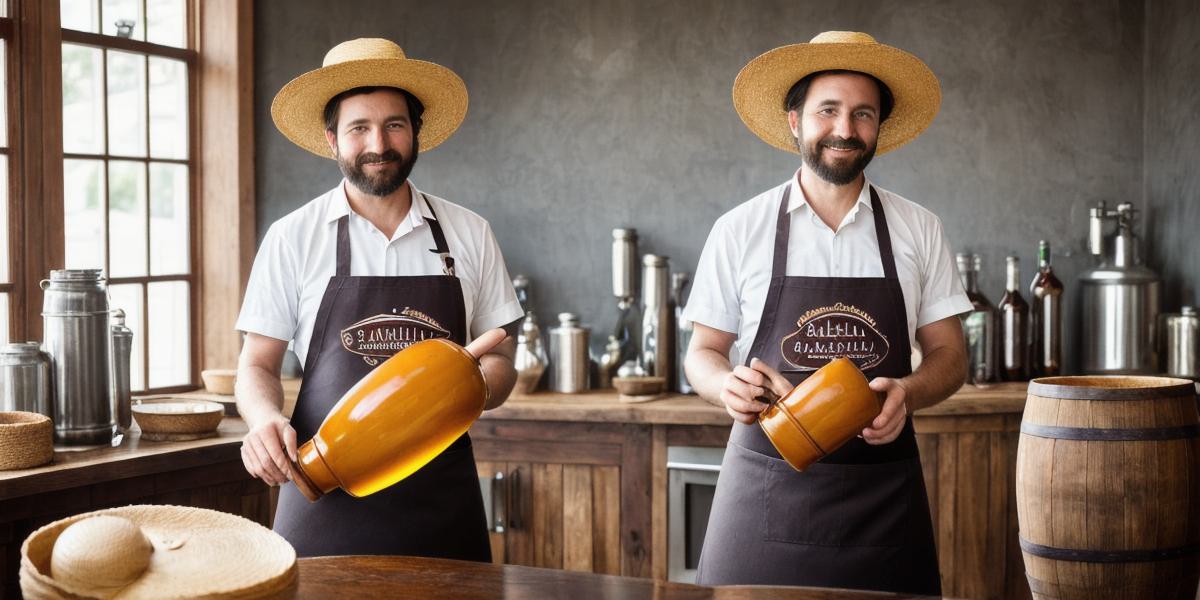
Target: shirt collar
{"type": "Point", "coordinates": [796, 198]}
{"type": "Point", "coordinates": [339, 206]}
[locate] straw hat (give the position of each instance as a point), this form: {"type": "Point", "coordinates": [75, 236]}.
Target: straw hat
{"type": "Point", "coordinates": [762, 86]}
{"type": "Point", "coordinates": [298, 108]}
{"type": "Point", "coordinates": [197, 553]}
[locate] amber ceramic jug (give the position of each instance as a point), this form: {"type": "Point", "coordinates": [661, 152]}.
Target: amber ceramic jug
{"type": "Point", "coordinates": [394, 421]}
{"type": "Point", "coordinates": [825, 411]}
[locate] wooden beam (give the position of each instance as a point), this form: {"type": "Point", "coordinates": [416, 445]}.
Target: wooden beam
{"type": "Point", "coordinates": [225, 172]}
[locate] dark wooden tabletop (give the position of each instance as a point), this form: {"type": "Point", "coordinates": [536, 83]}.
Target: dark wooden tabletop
{"type": "Point", "coordinates": [428, 578]}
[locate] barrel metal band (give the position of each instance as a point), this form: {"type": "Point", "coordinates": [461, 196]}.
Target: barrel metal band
{"type": "Point", "coordinates": [1111, 435]}
{"type": "Point", "coordinates": [1107, 556]}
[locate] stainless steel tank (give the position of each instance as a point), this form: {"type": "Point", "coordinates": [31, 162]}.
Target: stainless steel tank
{"type": "Point", "coordinates": [77, 337]}
{"type": "Point", "coordinates": [569, 356]}
{"type": "Point", "coordinates": [1181, 341]}
{"type": "Point", "coordinates": [1119, 300]}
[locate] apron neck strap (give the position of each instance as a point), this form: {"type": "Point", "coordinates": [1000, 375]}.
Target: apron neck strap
{"type": "Point", "coordinates": [439, 241]}
{"type": "Point", "coordinates": [783, 229]}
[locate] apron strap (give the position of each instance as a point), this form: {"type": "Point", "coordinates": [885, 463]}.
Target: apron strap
{"type": "Point", "coordinates": [783, 230]}
{"type": "Point", "coordinates": [884, 236]}
{"type": "Point", "coordinates": [439, 240]}
{"type": "Point", "coordinates": [343, 246]}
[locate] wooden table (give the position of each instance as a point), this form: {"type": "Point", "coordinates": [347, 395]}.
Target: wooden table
{"type": "Point", "coordinates": [432, 579]}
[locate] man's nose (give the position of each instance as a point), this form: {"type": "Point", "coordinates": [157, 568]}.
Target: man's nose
{"type": "Point", "coordinates": [375, 141]}
{"type": "Point", "coordinates": [842, 127]}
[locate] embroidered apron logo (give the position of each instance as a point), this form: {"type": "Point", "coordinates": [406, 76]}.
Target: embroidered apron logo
{"type": "Point", "coordinates": [831, 331]}
{"type": "Point", "coordinates": [378, 338]}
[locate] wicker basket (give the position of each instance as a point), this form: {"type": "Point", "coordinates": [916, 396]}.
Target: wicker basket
{"type": "Point", "coordinates": [26, 440]}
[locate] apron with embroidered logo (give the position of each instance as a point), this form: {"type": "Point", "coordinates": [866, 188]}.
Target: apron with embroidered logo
{"type": "Point", "coordinates": [438, 510]}
{"type": "Point", "coordinates": [859, 518]}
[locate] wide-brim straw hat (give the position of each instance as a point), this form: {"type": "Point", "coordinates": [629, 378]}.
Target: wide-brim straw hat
{"type": "Point", "coordinates": [197, 553]}
{"type": "Point", "coordinates": [762, 86]}
{"type": "Point", "coordinates": [298, 108]}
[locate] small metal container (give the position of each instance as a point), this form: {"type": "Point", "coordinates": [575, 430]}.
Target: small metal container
{"type": "Point", "coordinates": [122, 350]}
{"type": "Point", "coordinates": [25, 379]}
{"type": "Point", "coordinates": [569, 360]}
{"type": "Point", "coordinates": [624, 263]}
{"type": "Point", "coordinates": [1181, 338]}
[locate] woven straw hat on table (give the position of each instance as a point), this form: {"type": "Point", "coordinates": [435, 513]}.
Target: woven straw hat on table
{"type": "Point", "coordinates": [298, 108]}
{"type": "Point", "coordinates": [26, 440]}
{"type": "Point", "coordinates": [762, 86]}
{"type": "Point", "coordinates": [197, 553]}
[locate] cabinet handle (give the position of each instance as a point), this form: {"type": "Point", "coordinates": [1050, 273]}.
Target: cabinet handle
{"type": "Point", "coordinates": [514, 499]}
{"type": "Point", "coordinates": [498, 485]}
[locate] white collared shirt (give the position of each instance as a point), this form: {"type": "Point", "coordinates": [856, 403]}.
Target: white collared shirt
{"type": "Point", "coordinates": [298, 255]}
{"type": "Point", "coordinates": [734, 272]}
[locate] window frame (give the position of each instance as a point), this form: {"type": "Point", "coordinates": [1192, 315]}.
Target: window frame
{"type": "Point", "coordinates": [219, 40]}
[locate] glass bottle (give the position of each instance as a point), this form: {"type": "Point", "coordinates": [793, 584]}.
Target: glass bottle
{"type": "Point", "coordinates": [386, 427]}
{"type": "Point", "coordinates": [979, 325]}
{"type": "Point", "coordinates": [1014, 325]}
{"type": "Point", "coordinates": [1045, 317]}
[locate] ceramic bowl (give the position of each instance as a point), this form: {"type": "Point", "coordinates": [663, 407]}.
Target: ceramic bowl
{"type": "Point", "coordinates": [826, 410]}
{"type": "Point", "coordinates": [219, 381]}
{"type": "Point", "coordinates": [171, 419]}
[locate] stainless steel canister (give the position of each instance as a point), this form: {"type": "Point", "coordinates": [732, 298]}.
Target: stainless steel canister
{"type": "Point", "coordinates": [77, 337]}
{"type": "Point", "coordinates": [658, 321]}
{"type": "Point", "coordinates": [25, 380]}
{"type": "Point", "coordinates": [1181, 336]}
{"type": "Point", "coordinates": [624, 263]}
{"type": "Point", "coordinates": [122, 349]}
{"type": "Point", "coordinates": [569, 359]}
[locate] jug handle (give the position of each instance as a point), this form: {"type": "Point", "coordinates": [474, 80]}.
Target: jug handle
{"type": "Point", "coordinates": [45, 283]}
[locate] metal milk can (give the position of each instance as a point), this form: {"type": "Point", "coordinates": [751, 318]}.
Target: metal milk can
{"type": "Point", "coordinates": [77, 337]}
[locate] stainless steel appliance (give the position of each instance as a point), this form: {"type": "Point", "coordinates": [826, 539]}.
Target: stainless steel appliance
{"type": "Point", "coordinates": [25, 378]}
{"type": "Point", "coordinates": [569, 357]}
{"type": "Point", "coordinates": [122, 349]}
{"type": "Point", "coordinates": [1181, 338]}
{"type": "Point", "coordinates": [658, 321]}
{"type": "Point", "coordinates": [1119, 299]}
{"type": "Point", "coordinates": [691, 482]}
{"type": "Point", "coordinates": [78, 338]}
{"type": "Point", "coordinates": [628, 327]}
{"type": "Point", "coordinates": [683, 339]}
{"type": "Point", "coordinates": [530, 359]}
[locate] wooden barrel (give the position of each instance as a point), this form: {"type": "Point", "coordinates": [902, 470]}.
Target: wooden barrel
{"type": "Point", "coordinates": [1108, 491]}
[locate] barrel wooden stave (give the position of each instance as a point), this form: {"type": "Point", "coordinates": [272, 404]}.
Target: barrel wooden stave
{"type": "Point", "coordinates": [1110, 495]}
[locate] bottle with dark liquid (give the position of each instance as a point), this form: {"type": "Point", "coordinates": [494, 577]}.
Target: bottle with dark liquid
{"type": "Point", "coordinates": [1045, 316]}
{"type": "Point", "coordinates": [1014, 325]}
{"type": "Point", "coordinates": [979, 325]}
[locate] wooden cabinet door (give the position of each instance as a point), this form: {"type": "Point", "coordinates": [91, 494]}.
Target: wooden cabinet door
{"type": "Point", "coordinates": [562, 516]}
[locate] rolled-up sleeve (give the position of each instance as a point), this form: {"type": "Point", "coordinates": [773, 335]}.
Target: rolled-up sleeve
{"type": "Point", "coordinates": [942, 293]}
{"type": "Point", "coordinates": [715, 301]}
{"type": "Point", "coordinates": [272, 299]}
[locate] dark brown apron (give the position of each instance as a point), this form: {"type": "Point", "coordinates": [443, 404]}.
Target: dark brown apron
{"type": "Point", "coordinates": [859, 518]}
{"type": "Point", "coordinates": [435, 512]}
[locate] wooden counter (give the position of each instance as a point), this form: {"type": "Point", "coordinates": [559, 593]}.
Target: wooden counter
{"type": "Point", "coordinates": [206, 473]}
{"type": "Point", "coordinates": [404, 577]}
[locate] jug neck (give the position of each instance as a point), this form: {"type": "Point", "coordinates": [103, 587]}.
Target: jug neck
{"type": "Point", "coordinates": [310, 473]}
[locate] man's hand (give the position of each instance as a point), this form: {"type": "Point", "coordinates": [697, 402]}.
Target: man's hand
{"type": "Point", "coordinates": [269, 449]}
{"type": "Point", "coordinates": [890, 422]}
{"type": "Point", "coordinates": [743, 387]}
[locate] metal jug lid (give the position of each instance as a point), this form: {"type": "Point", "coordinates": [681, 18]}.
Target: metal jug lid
{"type": "Point", "coordinates": [624, 234]}
{"type": "Point", "coordinates": [75, 275]}
{"type": "Point", "coordinates": [21, 348]}
{"type": "Point", "coordinates": [1187, 310]}
{"type": "Point", "coordinates": [654, 260]}
{"type": "Point", "coordinates": [567, 319]}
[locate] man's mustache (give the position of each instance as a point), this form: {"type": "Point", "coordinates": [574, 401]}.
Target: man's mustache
{"type": "Point", "coordinates": [844, 143]}
{"type": "Point", "coordinates": [371, 157]}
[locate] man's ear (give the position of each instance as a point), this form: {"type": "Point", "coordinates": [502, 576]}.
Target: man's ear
{"type": "Point", "coordinates": [794, 122]}
{"type": "Point", "coordinates": [331, 137]}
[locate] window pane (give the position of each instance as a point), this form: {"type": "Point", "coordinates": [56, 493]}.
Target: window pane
{"type": "Point", "coordinates": [128, 297]}
{"type": "Point", "coordinates": [83, 101]}
{"type": "Point", "coordinates": [170, 361]}
{"type": "Point", "coordinates": [126, 103]}
{"type": "Point", "coordinates": [83, 200]}
{"type": "Point", "coordinates": [165, 22]}
{"type": "Point", "coordinates": [4, 335]}
{"type": "Point", "coordinates": [126, 218]}
{"type": "Point", "coordinates": [168, 108]}
{"type": "Point", "coordinates": [4, 223]}
{"type": "Point", "coordinates": [168, 219]}
{"type": "Point", "coordinates": [128, 13]}
{"type": "Point", "coordinates": [80, 15]}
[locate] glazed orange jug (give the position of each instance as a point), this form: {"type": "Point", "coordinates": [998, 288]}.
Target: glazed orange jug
{"type": "Point", "coordinates": [396, 419]}
{"type": "Point", "coordinates": [826, 410]}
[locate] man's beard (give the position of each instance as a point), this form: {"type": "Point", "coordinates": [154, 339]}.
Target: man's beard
{"type": "Point", "coordinates": [386, 180]}
{"type": "Point", "coordinates": [840, 172]}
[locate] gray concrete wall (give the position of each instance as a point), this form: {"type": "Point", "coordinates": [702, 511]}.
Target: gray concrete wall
{"type": "Point", "coordinates": [591, 114]}
{"type": "Point", "coordinates": [1172, 145]}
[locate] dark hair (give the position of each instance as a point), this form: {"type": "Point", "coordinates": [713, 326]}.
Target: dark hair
{"type": "Point", "coordinates": [799, 92]}
{"type": "Point", "coordinates": [415, 108]}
